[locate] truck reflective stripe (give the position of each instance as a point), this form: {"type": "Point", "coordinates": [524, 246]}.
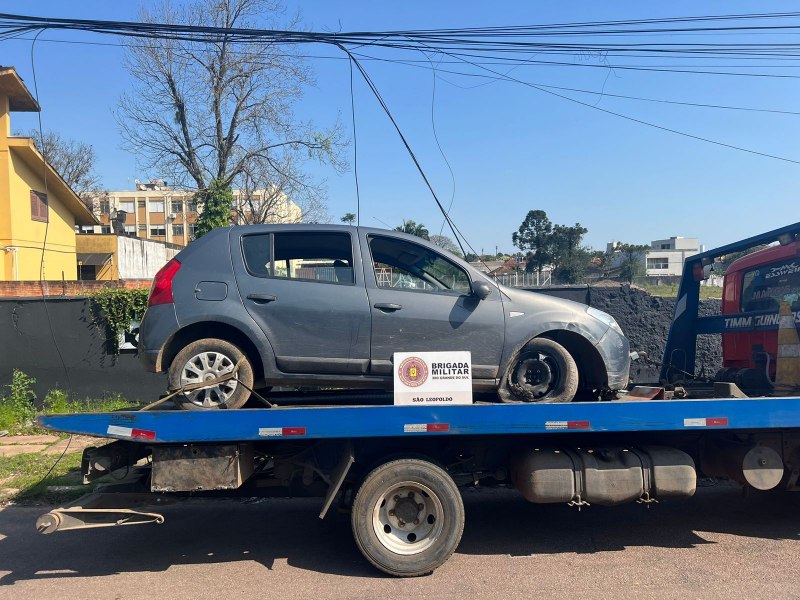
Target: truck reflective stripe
{"type": "Point", "coordinates": [706, 422]}
{"type": "Point", "coordinates": [426, 427]}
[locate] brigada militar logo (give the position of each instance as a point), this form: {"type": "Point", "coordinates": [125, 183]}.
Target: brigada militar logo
{"type": "Point", "coordinates": [413, 371]}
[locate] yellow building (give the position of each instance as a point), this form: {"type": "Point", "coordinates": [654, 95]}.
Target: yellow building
{"type": "Point", "coordinates": [36, 205]}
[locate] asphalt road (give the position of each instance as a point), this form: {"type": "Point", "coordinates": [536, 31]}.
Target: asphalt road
{"type": "Point", "coordinates": [716, 545]}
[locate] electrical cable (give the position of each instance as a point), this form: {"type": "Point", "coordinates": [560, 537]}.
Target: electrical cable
{"type": "Point", "coordinates": [355, 145]}
{"type": "Point", "coordinates": [413, 156]}
{"type": "Point", "coordinates": [45, 165]}
{"type": "Point", "coordinates": [640, 121]}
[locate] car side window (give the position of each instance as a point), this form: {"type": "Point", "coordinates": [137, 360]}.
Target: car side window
{"type": "Point", "coordinates": [324, 256]}
{"type": "Point", "coordinates": [257, 253]}
{"type": "Point", "coordinates": [401, 264]}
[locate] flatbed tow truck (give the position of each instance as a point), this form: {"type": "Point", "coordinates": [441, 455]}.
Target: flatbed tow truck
{"type": "Point", "coordinates": [398, 469]}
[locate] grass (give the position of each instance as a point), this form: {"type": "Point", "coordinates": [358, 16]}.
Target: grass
{"type": "Point", "coordinates": [671, 291]}
{"type": "Point", "coordinates": [26, 472]}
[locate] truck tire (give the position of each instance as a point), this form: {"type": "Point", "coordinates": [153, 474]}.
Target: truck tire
{"type": "Point", "coordinates": [408, 517]}
{"type": "Point", "coordinates": [207, 359]}
{"type": "Point", "coordinates": [543, 371]}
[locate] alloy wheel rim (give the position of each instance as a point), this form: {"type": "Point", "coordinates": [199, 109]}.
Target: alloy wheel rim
{"type": "Point", "coordinates": [206, 366]}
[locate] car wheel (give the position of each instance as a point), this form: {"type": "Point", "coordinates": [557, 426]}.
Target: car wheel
{"type": "Point", "coordinates": [543, 371]}
{"type": "Point", "coordinates": [208, 359]}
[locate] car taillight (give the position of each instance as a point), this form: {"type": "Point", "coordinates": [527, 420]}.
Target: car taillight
{"type": "Point", "coordinates": [161, 291]}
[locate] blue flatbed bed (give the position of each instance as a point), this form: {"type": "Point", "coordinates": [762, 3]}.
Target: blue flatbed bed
{"type": "Point", "coordinates": [342, 422]}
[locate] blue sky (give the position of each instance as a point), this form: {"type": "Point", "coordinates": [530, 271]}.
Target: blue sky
{"type": "Point", "coordinates": [512, 148]}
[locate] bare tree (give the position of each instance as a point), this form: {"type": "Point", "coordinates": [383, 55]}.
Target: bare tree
{"type": "Point", "coordinates": [73, 160]}
{"type": "Point", "coordinates": [446, 243]}
{"type": "Point", "coordinates": [222, 111]}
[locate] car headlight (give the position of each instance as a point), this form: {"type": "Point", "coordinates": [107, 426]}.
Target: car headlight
{"type": "Point", "coordinates": [605, 318]}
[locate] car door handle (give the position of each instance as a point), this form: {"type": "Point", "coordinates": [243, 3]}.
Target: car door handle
{"type": "Point", "coordinates": [388, 306]}
{"type": "Point", "coordinates": [262, 297]}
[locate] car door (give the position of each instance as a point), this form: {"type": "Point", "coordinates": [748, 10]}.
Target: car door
{"type": "Point", "coordinates": [305, 289]}
{"type": "Point", "coordinates": [422, 301]}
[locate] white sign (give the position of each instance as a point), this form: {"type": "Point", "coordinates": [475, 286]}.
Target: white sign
{"type": "Point", "coordinates": [423, 378]}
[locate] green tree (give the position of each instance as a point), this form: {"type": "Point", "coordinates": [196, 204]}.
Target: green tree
{"type": "Point", "coordinates": [215, 205]}
{"type": "Point", "coordinates": [349, 218]}
{"type": "Point", "coordinates": [535, 237]}
{"type": "Point", "coordinates": [632, 264]}
{"type": "Point", "coordinates": [417, 229]}
{"type": "Point", "coordinates": [569, 257]}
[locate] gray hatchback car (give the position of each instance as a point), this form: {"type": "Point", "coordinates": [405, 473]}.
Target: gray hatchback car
{"type": "Point", "coordinates": [329, 305]}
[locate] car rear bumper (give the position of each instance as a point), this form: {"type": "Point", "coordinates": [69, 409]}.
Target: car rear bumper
{"type": "Point", "coordinates": [158, 326]}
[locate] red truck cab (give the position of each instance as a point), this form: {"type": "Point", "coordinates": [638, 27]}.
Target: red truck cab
{"type": "Point", "coordinates": [754, 287]}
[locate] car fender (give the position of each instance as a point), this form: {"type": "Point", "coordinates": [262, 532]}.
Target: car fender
{"type": "Point", "coordinates": [523, 328]}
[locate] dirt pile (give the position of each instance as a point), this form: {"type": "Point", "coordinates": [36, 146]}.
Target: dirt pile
{"type": "Point", "coordinates": [645, 319]}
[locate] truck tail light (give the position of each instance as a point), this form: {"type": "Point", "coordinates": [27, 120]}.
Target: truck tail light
{"type": "Point", "coordinates": [161, 290]}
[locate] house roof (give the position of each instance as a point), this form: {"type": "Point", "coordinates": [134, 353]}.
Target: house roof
{"type": "Point", "coordinates": [19, 97]}
{"type": "Point", "coordinates": [24, 148]}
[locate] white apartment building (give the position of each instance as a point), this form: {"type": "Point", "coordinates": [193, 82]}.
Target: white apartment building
{"type": "Point", "coordinates": [157, 212]}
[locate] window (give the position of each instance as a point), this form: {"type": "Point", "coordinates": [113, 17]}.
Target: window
{"type": "Point", "coordinates": [130, 229]}
{"type": "Point", "coordinates": [158, 230]}
{"type": "Point", "coordinates": [665, 247]}
{"type": "Point", "coordinates": [765, 287]}
{"type": "Point", "coordinates": [192, 207]}
{"type": "Point", "coordinates": [192, 228]}
{"type": "Point", "coordinates": [87, 229]}
{"type": "Point", "coordinates": [257, 254]}
{"type": "Point", "coordinates": [176, 206]}
{"type": "Point", "coordinates": [324, 257]}
{"type": "Point", "coordinates": [177, 230]}
{"type": "Point", "coordinates": [105, 229]}
{"type": "Point", "coordinates": [404, 265]}
{"type": "Point", "coordinates": [142, 203]}
{"type": "Point", "coordinates": [104, 206]}
{"type": "Point", "coordinates": [128, 207]}
{"type": "Point", "coordinates": [40, 211]}
{"type": "Point", "coordinates": [658, 263]}
{"type": "Point", "coordinates": [156, 206]}
{"type": "Point", "coordinates": [143, 227]}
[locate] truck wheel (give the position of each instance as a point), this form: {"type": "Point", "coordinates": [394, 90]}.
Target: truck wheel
{"type": "Point", "coordinates": [408, 517]}
{"type": "Point", "coordinates": [208, 359]}
{"type": "Point", "coordinates": [543, 371]}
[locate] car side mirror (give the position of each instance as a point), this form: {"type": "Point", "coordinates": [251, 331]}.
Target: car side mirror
{"type": "Point", "coordinates": [481, 289]}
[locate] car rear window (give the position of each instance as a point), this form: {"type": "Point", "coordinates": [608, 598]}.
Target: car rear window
{"type": "Point", "coordinates": [765, 287]}
{"type": "Point", "coordinates": [314, 256]}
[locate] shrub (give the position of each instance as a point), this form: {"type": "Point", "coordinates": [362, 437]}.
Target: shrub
{"type": "Point", "coordinates": [17, 409]}
{"type": "Point", "coordinates": [119, 307]}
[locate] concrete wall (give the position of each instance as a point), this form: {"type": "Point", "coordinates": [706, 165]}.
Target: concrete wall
{"type": "Point", "coordinates": [141, 259]}
{"type": "Point", "coordinates": [89, 366]}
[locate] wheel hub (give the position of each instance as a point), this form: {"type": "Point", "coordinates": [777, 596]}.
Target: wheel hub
{"type": "Point", "coordinates": [407, 519]}
{"type": "Point", "coordinates": [536, 374]}
{"type": "Point", "coordinates": [207, 366]}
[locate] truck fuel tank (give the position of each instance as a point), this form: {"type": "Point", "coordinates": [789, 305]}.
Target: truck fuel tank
{"type": "Point", "coordinates": [606, 476]}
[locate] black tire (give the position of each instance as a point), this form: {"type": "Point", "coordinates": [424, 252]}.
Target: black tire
{"type": "Point", "coordinates": [230, 394]}
{"type": "Point", "coordinates": [426, 492]}
{"type": "Point", "coordinates": [543, 371]}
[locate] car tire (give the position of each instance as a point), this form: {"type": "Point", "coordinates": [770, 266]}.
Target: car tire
{"type": "Point", "coordinates": [425, 495]}
{"type": "Point", "coordinates": [543, 371]}
{"type": "Point", "coordinates": [206, 359]}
